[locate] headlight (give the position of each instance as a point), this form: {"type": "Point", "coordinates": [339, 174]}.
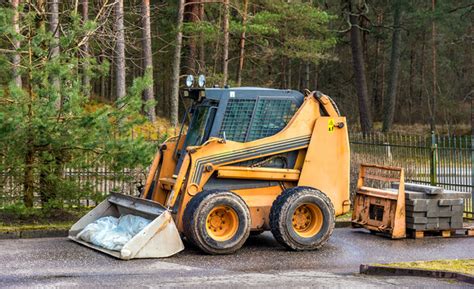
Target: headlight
{"type": "Point", "coordinates": [189, 81]}
{"type": "Point", "coordinates": [201, 81]}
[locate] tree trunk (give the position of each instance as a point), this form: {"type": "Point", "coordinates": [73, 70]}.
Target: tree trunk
{"type": "Point", "coordinates": [174, 101]}
{"type": "Point", "coordinates": [148, 60]}
{"type": "Point", "coordinates": [420, 100]}
{"type": "Point", "coordinates": [307, 72]}
{"type": "Point", "coordinates": [283, 74]}
{"type": "Point", "coordinates": [290, 74]}
{"type": "Point", "coordinates": [376, 93]}
{"type": "Point", "coordinates": [54, 28]}
{"type": "Point", "coordinates": [315, 78]}
{"type": "Point", "coordinates": [433, 69]}
{"type": "Point", "coordinates": [202, 47]}
{"type": "Point", "coordinates": [191, 11]}
{"type": "Point", "coordinates": [242, 43]}
{"type": "Point", "coordinates": [103, 92]}
{"type": "Point", "coordinates": [389, 105]}
{"type": "Point", "coordinates": [48, 193]}
{"type": "Point", "coordinates": [85, 49]}
{"type": "Point", "coordinates": [119, 51]}
{"type": "Point", "coordinates": [225, 48]}
{"type": "Point", "coordinates": [359, 70]}
{"type": "Point", "coordinates": [300, 81]}
{"type": "Point", "coordinates": [28, 177]}
{"type": "Point", "coordinates": [16, 43]}
{"type": "Point", "coordinates": [412, 82]}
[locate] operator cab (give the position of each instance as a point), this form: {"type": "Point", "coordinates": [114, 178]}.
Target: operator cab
{"type": "Point", "coordinates": [239, 114]}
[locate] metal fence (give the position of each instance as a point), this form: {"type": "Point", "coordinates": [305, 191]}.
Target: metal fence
{"type": "Point", "coordinates": [438, 160]}
{"type": "Point", "coordinates": [445, 161]}
{"type": "Point", "coordinates": [90, 183]}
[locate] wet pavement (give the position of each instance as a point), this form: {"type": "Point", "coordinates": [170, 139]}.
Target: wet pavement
{"type": "Point", "coordinates": [58, 262]}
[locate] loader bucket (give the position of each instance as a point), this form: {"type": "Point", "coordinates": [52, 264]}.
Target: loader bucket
{"type": "Point", "coordinates": [158, 239]}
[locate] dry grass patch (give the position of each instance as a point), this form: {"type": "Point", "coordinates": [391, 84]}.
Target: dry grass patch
{"type": "Point", "coordinates": [465, 266]}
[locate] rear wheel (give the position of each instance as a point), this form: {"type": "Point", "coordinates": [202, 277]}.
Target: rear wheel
{"type": "Point", "coordinates": [218, 222]}
{"type": "Point", "coordinates": [302, 218]}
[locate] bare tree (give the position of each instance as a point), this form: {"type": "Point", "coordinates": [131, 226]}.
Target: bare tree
{"type": "Point", "coordinates": [85, 50]}
{"type": "Point", "coordinates": [225, 49]}
{"type": "Point", "coordinates": [389, 104]}
{"type": "Point", "coordinates": [119, 51]}
{"type": "Point", "coordinates": [147, 58]}
{"type": "Point", "coordinates": [16, 43]}
{"type": "Point", "coordinates": [365, 117]}
{"type": "Point", "coordinates": [176, 65]}
{"type": "Point", "coordinates": [242, 43]}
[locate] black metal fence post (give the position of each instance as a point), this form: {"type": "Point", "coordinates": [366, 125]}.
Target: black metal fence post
{"type": "Point", "coordinates": [433, 160]}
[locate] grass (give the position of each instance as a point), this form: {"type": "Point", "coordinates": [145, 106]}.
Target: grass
{"type": "Point", "coordinates": [465, 266]}
{"type": "Point", "coordinates": [29, 227]}
{"type": "Point", "coordinates": [18, 218]}
{"type": "Point", "coordinates": [346, 217]}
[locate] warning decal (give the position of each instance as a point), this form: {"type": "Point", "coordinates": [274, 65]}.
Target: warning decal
{"type": "Point", "coordinates": [331, 125]}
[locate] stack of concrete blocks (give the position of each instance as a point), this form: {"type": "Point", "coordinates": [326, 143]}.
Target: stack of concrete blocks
{"type": "Point", "coordinates": [433, 208]}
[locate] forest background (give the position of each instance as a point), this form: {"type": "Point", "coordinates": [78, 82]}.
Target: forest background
{"type": "Point", "coordinates": [90, 82]}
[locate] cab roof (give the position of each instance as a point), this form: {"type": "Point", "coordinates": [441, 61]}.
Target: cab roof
{"type": "Point", "coordinates": [251, 93]}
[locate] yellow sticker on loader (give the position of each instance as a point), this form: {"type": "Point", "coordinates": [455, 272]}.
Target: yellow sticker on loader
{"type": "Point", "coordinates": [331, 125]}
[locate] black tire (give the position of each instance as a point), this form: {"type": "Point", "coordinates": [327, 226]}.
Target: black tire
{"type": "Point", "coordinates": [195, 221]}
{"type": "Point", "coordinates": [282, 218]}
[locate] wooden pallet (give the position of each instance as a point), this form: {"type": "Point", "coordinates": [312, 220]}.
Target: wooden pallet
{"type": "Point", "coordinates": [468, 232]}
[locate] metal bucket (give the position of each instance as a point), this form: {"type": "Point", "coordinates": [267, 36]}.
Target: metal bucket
{"type": "Point", "coordinates": [158, 239]}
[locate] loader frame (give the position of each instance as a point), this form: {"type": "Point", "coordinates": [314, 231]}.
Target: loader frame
{"type": "Point", "coordinates": [316, 132]}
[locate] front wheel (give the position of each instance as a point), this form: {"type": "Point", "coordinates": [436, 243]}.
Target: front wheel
{"type": "Point", "coordinates": [302, 218]}
{"type": "Point", "coordinates": [218, 222]}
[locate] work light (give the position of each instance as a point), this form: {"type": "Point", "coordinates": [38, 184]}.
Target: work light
{"type": "Point", "coordinates": [201, 80]}
{"type": "Point", "coordinates": [189, 81]}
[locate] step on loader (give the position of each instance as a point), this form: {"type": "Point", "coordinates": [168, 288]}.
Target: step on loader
{"type": "Point", "coordinates": [252, 160]}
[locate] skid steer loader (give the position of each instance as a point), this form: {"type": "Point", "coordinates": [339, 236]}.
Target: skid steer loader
{"type": "Point", "coordinates": [252, 159]}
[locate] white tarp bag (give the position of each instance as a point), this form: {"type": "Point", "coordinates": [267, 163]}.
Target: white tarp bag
{"type": "Point", "coordinates": [112, 233]}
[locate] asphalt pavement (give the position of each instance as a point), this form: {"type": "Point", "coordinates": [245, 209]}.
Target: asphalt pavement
{"type": "Point", "coordinates": [262, 262]}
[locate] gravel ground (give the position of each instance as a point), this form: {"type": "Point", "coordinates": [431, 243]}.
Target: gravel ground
{"type": "Point", "coordinates": [58, 262]}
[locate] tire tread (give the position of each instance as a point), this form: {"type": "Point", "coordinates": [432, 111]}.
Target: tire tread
{"type": "Point", "coordinates": [190, 217]}
{"type": "Point", "coordinates": [277, 228]}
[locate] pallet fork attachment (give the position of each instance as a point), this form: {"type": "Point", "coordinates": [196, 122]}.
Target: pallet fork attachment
{"type": "Point", "coordinates": [380, 210]}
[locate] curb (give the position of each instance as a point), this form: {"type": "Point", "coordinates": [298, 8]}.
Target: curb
{"type": "Point", "coordinates": [394, 271]}
{"type": "Point", "coordinates": [28, 234]}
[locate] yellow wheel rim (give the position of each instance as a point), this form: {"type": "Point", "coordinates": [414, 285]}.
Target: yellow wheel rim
{"type": "Point", "coordinates": [307, 220]}
{"type": "Point", "coordinates": [222, 223]}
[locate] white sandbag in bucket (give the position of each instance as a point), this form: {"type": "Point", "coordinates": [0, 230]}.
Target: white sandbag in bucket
{"type": "Point", "coordinates": [102, 224]}
{"type": "Point", "coordinates": [127, 227]}
{"type": "Point", "coordinates": [112, 233]}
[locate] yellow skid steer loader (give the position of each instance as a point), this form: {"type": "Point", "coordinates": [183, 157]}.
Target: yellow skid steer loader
{"type": "Point", "coordinates": [252, 159]}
